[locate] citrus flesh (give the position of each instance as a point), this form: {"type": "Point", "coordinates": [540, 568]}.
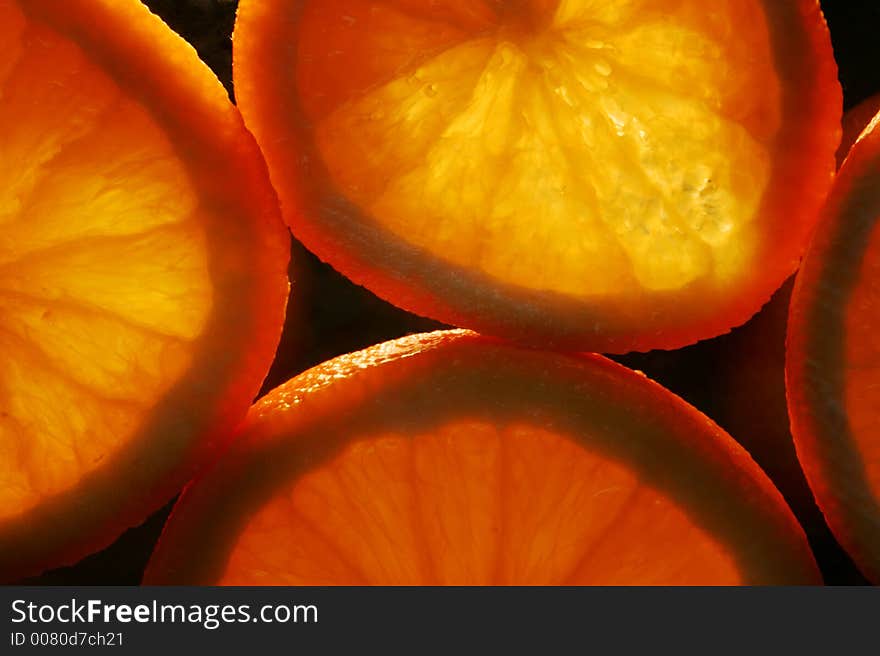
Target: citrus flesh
{"type": "Point", "coordinates": [142, 273]}
{"type": "Point", "coordinates": [450, 458]}
{"type": "Point", "coordinates": [833, 359]}
{"type": "Point", "coordinates": [602, 175]}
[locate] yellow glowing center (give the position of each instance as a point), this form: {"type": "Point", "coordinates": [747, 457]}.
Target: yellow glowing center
{"type": "Point", "coordinates": [584, 147]}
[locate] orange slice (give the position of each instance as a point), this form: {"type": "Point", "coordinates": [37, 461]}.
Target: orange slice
{"type": "Point", "coordinates": [605, 176]}
{"type": "Point", "coordinates": [142, 273]}
{"type": "Point", "coordinates": [833, 359]}
{"type": "Point", "coordinates": [450, 458]}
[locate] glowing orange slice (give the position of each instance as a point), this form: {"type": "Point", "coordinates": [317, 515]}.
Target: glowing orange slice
{"type": "Point", "coordinates": [833, 359]}
{"type": "Point", "coordinates": [142, 273]}
{"type": "Point", "coordinates": [449, 458]}
{"type": "Point", "coordinates": [601, 175]}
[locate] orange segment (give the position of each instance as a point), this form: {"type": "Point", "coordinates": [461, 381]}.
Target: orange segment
{"type": "Point", "coordinates": [597, 175]}
{"type": "Point", "coordinates": [449, 458]}
{"type": "Point", "coordinates": [140, 256]}
{"type": "Point", "coordinates": [833, 360]}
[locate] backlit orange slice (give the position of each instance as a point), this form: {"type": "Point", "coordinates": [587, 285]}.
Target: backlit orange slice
{"type": "Point", "coordinates": [142, 273]}
{"type": "Point", "coordinates": [449, 458]}
{"type": "Point", "coordinates": [833, 359]}
{"type": "Point", "coordinates": [604, 175]}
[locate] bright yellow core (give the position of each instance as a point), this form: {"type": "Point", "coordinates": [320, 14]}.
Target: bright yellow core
{"type": "Point", "coordinates": [587, 147]}
{"type": "Point", "coordinates": [472, 503]}
{"type": "Point", "coordinates": [104, 279]}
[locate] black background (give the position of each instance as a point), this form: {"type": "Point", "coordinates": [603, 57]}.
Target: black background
{"type": "Point", "coordinates": [328, 316]}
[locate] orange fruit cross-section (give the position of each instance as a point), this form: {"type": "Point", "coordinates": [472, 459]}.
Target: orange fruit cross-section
{"type": "Point", "coordinates": [450, 458]}
{"type": "Point", "coordinates": [607, 176]}
{"type": "Point", "coordinates": [142, 273]}
{"type": "Point", "coordinates": [833, 358]}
